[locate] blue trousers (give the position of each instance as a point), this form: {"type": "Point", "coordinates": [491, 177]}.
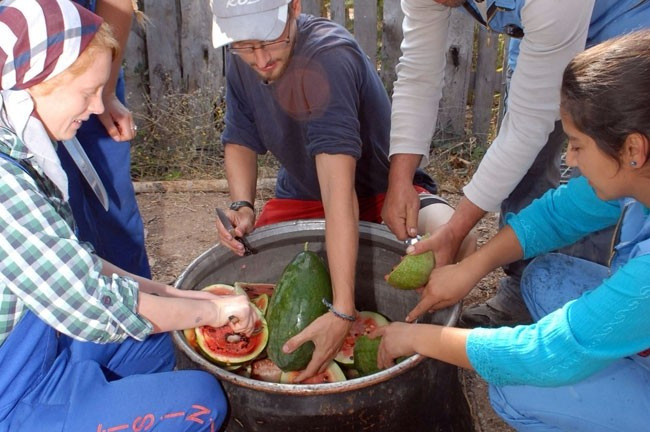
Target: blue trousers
{"type": "Point", "coordinates": [117, 234]}
{"type": "Point", "coordinates": [53, 383]}
{"type": "Point", "coordinates": [615, 399]}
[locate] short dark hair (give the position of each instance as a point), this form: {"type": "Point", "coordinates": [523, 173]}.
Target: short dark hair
{"type": "Point", "coordinates": [606, 90]}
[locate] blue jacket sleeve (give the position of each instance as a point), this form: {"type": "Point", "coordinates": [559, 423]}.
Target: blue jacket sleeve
{"type": "Point", "coordinates": [561, 217]}
{"type": "Point", "coordinates": [574, 342]}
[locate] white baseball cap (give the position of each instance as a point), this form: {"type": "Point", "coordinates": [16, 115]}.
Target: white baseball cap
{"type": "Point", "coordinates": [238, 20]}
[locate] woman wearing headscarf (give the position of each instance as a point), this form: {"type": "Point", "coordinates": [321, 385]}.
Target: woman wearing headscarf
{"type": "Point", "coordinates": [82, 342]}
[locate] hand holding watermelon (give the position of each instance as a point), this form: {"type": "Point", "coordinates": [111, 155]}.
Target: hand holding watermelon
{"type": "Point", "coordinates": [446, 286]}
{"type": "Point", "coordinates": [398, 339]}
{"type": "Point", "coordinates": [236, 311]}
{"type": "Point", "coordinates": [327, 334]}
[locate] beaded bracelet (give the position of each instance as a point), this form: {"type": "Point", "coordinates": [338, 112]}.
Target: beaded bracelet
{"type": "Point", "coordinates": [341, 315]}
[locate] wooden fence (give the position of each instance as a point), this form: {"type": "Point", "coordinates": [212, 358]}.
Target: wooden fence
{"type": "Point", "coordinates": [174, 54]}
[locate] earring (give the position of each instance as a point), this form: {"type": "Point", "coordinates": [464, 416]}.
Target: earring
{"type": "Point", "coordinates": [633, 163]}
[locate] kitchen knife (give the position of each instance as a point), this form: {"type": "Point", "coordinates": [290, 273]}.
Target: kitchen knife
{"type": "Point", "coordinates": [248, 250]}
{"type": "Point", "coordinates": [82, 161]}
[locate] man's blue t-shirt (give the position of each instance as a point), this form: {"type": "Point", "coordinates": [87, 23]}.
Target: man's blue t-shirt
{"type": "Point", "coordinates": [329, 100]}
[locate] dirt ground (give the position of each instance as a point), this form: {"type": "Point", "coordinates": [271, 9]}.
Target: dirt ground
{"type": "Point", "coordinates": [179, 226]}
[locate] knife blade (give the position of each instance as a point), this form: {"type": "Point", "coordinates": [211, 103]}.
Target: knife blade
{"type": "Point", "coordinates": [248, 250]}
{"type": "Point", "coordinates": [82, 161]}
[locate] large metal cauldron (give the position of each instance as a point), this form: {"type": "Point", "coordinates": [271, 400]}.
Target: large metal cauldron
{"type": "Point", "coordinates": [419, 394]}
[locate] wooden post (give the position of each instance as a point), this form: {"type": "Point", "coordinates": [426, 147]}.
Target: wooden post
{"type": "Point", "coordinates": [201, 63]}
{"type": "Point", "coordinates": [391, 38]}
{"type": "Point", "coordinates": [451, 117]}
{"type": "Point", "coordinates": [163, 48]}
{"type": "Point", "coordinates": [311, 7]}
{"type": "Point", "coordinates": [135, 67]}
{"type": "Point", "coordinates": [338, 12]}
{"type": "Point", "coordinates": [365, 27]}
{"type": "Point", "coordinates": [485, 83]}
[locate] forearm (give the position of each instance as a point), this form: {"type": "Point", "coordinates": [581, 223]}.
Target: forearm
{"type": "Point", "coordinates": [173, 313]}
{"type": "Point", "coordinates": [119, 14]}
{"type": "Point", "coordinates": [336, 179]}
{"type": "Point", "coordinates": [241, 172]}
{"type": "Point", "coordinates": [342, 244]}
{"type": "Point", "coordinates": [562, 216]}
{"type": "Point", "coordinates": [145, 285]}
{"type": "Point", "coordinates": [502, 249]}
{"type": "Point", "coordinates": [442, 343]}
{"type": "Point", "coordinates": [402, 170]}
{"type": "Point", "coordinates": [465, 217]}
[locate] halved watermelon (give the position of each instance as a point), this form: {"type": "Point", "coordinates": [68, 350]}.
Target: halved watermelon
{"type": "Point", "coordinates": [265, 370]}
{"type": "Point", "coordinates": [218, 289]}
{"type": "Point", "coordinates": [226, 348]}
{"type": "Point", "coordinates": [412, 271]}
{"type": "Point", "coordinates": [255, 289]}
{"type": "Point", "coordinates": [365, 355]}
{"type": "Point", "coordinates": [333, 373]}
{"type": "Point", "coordinates": [223, 289]}
{"type": "Point", "coordinates": [366, 322]}
{"type": "Point", "coordinates": [262, 302]}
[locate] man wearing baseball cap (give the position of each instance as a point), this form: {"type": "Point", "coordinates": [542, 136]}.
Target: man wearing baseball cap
{"type": "Point", "coordinates": [301, 88]}
{"type": "Point", "coordinates": [248, 19]}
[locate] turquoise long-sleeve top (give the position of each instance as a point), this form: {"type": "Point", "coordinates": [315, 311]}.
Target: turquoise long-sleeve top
{"type": "Point", "coordinates": [589, 333]}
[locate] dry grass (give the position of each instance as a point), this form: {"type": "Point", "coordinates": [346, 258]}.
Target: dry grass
{"type": "Point", "coordinates": [180, 138]}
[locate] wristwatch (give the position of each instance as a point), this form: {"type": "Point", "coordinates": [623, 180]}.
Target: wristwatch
{"type": "Point", "coordinates": [239, 204]}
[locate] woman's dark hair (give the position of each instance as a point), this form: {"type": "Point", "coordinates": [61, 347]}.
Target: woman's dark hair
{"type": "Point", "coordinates": [606, 90]}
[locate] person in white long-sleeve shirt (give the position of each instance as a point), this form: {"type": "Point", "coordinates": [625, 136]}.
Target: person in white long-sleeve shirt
{"type": "Point", "coordinates": [519, 165]}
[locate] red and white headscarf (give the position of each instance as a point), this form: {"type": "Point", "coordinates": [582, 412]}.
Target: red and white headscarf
{"type": "Point", "coordinates": [39, 39]}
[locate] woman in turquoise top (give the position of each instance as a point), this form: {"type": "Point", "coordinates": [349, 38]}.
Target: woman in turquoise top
{"type": "Point", "coordinates": [583, 364]}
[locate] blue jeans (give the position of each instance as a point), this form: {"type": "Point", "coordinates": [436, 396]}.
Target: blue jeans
{"type": "Point", "coordinates": [614, 399]}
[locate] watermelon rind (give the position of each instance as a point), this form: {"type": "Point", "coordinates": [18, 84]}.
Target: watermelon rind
{"type": "Point", "coordinates": [224, 289]}
{"type": "Point", "coordinates": [412, 271]}
{"type": "Point", "coordinates": [296, 302]}
{"type": "Point", "coordinates": [365, 355]}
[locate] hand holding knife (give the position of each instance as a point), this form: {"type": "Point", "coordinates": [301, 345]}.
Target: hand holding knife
{"type": "Point", "coordinates": [223, 218]}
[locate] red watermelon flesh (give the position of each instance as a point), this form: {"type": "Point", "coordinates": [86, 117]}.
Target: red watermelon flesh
{"type": "Point", "coordinates": [255, 289]}
{"type": "Point", "coordinates": [265, 370]}
{"type": "Point", "coordinates": [333, 373]}
{"type": "Point", "coordinates": [366, 322]}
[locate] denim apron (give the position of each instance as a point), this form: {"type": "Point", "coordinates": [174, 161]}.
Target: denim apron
{"type": "Point", "coordinates": [56, 384]}
{"type": "Point", "coordinates": [27, 357]}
